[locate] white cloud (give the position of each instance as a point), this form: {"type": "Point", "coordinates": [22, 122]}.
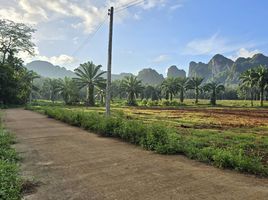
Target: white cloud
{"type": "Point", "coordinates": [88, 14]}
{"type": "Point", "coordinates": [213, 45]}
{"type": "Point", "coordinates": [243, 52]}
{"type": "Point", "coordinates": [62, 60]}
{"type": "Point", "coordinates": [175, 7]}
{"type": "Point", "coordinates": [161, 58]}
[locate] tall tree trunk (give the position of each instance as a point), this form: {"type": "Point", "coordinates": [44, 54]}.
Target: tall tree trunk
{"type": "Point", "coordinates": [213, 98]}
{"type": "Point", "coordinates": [171, 96]}
{"type": "Point", "coordinates": [196, 95]}
{"type": "Point", "coordinates": [251, 97]}
{"type": "Point", "coordinates": [90, 95]}
{"type": "Point", "coordinates": [167, 96]}
{"type": "Point", "coordinates": [181, 96]}
{"type": "Point", "coordinates": [261, 96]}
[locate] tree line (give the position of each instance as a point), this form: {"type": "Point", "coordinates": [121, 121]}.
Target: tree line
{"type": "Point", "coordinates": [19, 85]}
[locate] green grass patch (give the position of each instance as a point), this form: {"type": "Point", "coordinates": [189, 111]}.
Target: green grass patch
{"type": "Point", "coordinates": [224, 149]}
{"type": "Point", "coordinates": [10, 181]}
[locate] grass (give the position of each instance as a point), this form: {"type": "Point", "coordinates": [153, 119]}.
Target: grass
{"type": "Point", "coordinates": [224, 137]}
{"type": "Point", "coordinates": [10, 181]}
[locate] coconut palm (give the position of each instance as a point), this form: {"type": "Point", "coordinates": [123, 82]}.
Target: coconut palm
{"type": "Point", "coordinates": [215, 89]}
{"type": "Point", "coordinates": [181, 87]}
{"type": "Point", "coordinates": [53, 86]}
{"type": "Point", "coordinates": [169, 88]}
{"type": "Point", "coordinates": [195, 84]}
{"type": "Point", "coordinates": [29, 77]}
{"type": "Point", "coordinates": [68, 90]}
{"type": "Point", "coordinates": [249, 80]}
{"type": "Point", "coordinates": [261, 80]}
{"type": "Point", "coordinates": [133, 87]}
{"type": "Point", "coordinates": [90, 77]}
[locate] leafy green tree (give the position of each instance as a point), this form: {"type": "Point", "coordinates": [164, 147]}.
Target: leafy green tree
{"type": "Point", "coordinates": [117, 90]}
{"type": "Point", "coordinates": [133, 87]}
{"type": "Point", "coordinates": [68, 90]}
{"type": "Point", "coordinates": [262, 81]}
{"type": "Point", "coordinates": [51, 88]}
{"type": "Point", "coordinates": [15, 87]}
{"type": "Point", "coordinates": [195, 84]}
{"type": "Point", "coordinates": [90, 77]}
{"type": "Point", "coordinates": [181, 87]}
{"type": "Point", "coordinates": [249, 80]}
{"type": "Point", "coordinates": [215, 89]}
{"type": "Point", "coordinates": [151, 92]}
{"type": "Point", "coordinates": [29, 77]}
{"type": "Point", "coordinates": [14, 38]}
{"type": "Point", "coordinates": [169, 88]}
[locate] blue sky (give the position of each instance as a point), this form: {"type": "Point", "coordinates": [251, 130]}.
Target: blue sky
{"type": "Point", "coordinates": [156, 33]}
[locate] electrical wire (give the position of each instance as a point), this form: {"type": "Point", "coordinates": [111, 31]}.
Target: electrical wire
{"type": "Point", "coordinates": [121, 8]}
{"type": "Point", "coordinates": [89, 38]}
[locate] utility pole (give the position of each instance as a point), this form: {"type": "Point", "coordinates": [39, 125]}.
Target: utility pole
{"type": "Point", "coordinates": [109, 65]}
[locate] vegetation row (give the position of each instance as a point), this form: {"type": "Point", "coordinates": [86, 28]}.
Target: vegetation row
{"type": "Point", "coordinates": [10, 181]}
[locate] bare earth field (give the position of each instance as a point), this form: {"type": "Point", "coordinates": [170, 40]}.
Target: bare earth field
{"type": "Point", "coordinates": [71, 163]}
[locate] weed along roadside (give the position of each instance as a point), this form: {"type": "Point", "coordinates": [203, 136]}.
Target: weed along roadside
{"type": "Point", "coordinates": [10, 180]}
{"type": "Point", "coordinates": [211, 148]}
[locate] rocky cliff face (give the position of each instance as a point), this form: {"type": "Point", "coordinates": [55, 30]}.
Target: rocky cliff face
{"type": "Point", "coordinates": [224, 70]}
{"type": "Point", "coordinates": [150, 76]}
{"type": "Point", "coordinates": [174, 72]}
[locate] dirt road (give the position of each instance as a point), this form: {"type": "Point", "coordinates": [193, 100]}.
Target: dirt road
{"type": "Point", "coordinates": [71, 163]}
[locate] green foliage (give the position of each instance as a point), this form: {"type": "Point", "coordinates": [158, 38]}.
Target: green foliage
{"type": "Point", "coordinates": [133, 88]}
{"type": "Point", "coordinates": [90, 77]}
{"type": "Point", "coordinates": [210, 147]}
{"type": "Point", "coordinates": [10, 181]}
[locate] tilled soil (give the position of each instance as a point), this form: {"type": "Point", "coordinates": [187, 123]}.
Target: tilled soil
{"type": "Point", "coordinates": [71, 163]}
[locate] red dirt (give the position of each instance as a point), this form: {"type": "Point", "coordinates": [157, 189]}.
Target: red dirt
{"type": "Point", "coordinates": [74, 164]}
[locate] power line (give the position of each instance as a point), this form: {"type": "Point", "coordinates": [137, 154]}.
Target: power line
{"type": "Point", "coordinates": [90, 37]}
{"type": "Point", "coordinates": [121, 8]}
{"type": "Point", "coordinates": [129, 3]}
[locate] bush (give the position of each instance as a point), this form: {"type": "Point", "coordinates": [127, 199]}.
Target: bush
{"type": "Point", "coordinates": [165, 103]}
{"type": "Point", "coordinates": [152, 103]}
{"type": "Point", "coordinates": [10, 181]}
{"type": "Point", "coordinates": [144, 102]}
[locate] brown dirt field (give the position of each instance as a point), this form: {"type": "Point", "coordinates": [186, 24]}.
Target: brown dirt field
{"type": "Point", "coordinates": [71, 163]}
{"type": "Point", "coordinates": [214, 118]}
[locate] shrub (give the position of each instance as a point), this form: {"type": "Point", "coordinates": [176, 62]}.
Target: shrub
{"type": "Point", "coordinates": [144, 102]}
{"type": "Point", "coordinates": [165, 103]}
{"type": "Point", "coordinates": [152, 103]}
{"type": "Point", "coordinates": [10, 181]}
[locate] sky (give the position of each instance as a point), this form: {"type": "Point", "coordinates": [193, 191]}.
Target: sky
{"type": "Point", "coordinates": [153, 34]}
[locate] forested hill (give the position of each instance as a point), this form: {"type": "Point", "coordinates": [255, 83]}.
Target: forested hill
{"type": "Point", "coordinates": [224, 70]}
{"type": "Point", "coordinates": [219, 69]}
{"type": "Point", "coordinates": [48, 70]}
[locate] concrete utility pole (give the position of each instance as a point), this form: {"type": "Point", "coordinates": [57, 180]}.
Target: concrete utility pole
{"type": "Point", "coordinates": [109, 65]}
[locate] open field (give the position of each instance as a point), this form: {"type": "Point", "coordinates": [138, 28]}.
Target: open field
{"type": "Point", "coordinates": [71, 163]}
{"type": "Point", "coordinates": [226, 137]}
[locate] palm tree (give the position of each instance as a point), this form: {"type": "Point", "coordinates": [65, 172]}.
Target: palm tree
{"type": "Point", "coordinates": [101, 94]}
{"type": "Point", "coordinates": [169, 88]}
{"type": "Point", "coordinates": [215, 89]}
{"type": "Point", "coordinates": [53, 85]}
{"type": "Point", "coordinates": [249, 80]}
{"type": "Point", "coordinates": [90, 77]}
{"type": "Point", "coordinates": [29, 77]}
{"type": "Point", "coordinates": [133, 87]}
{"type": "Point", "coordinates": [262, 80]}
{"type": "Point", "coordinates": [67, 89]}
{"type": "Point", "coordinates": [181, 87]}
{"type": "Point", "coordinates": [195, 83]}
